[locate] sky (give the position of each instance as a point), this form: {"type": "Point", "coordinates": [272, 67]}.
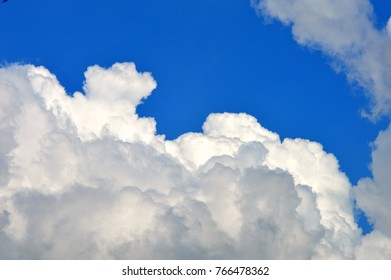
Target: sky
{"type": "Point", "coordinates": [275, 113]}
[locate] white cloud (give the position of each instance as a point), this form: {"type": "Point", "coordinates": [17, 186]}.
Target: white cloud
{"type": "Point", "coordinates": [374, 246]}
{"type": "Point", "coordinates": [389, 26]}
{"type": "Point", "coordinates": [344, 30]}
{"type": "Point", "coordinates": [373, 196]}
{"type": "Point", "coordinates": [85, 177]}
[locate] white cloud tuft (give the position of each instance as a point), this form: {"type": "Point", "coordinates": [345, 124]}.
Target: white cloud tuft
{"type": "Point", "coordinates": [389, 26]}
{"type": "Point", "coordinates": [85, 177]}
{"type": "Point", "coordinates": [343, 30]}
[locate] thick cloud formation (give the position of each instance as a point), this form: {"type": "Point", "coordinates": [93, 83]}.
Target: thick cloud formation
{"type": "Point", "coordinates": [343, 30]}
{"type": "Point", "coordinates": [85, 177]}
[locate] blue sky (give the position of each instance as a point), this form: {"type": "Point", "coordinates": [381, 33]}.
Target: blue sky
{"type": "Point", "coordinates": [206, 56]}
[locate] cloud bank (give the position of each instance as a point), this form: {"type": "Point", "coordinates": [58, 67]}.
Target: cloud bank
{"type": "Point", "coordinates": [86, 177]}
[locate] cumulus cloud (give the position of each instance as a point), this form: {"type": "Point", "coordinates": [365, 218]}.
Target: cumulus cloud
{"type": "Point", "coordinates": [373, 196]}
{"type": "Point", "coordinates": [84, 177]}
{"type": "Point", "coordinates": [343, 30]}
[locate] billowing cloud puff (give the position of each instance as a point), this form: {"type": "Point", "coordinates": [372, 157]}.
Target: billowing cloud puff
{"type": "Point", "coordinates": [344, 30]}
{"type": "Point", "coordinates": [83, 176]}
{"type": "Point", "coordinates": [373, 196]}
